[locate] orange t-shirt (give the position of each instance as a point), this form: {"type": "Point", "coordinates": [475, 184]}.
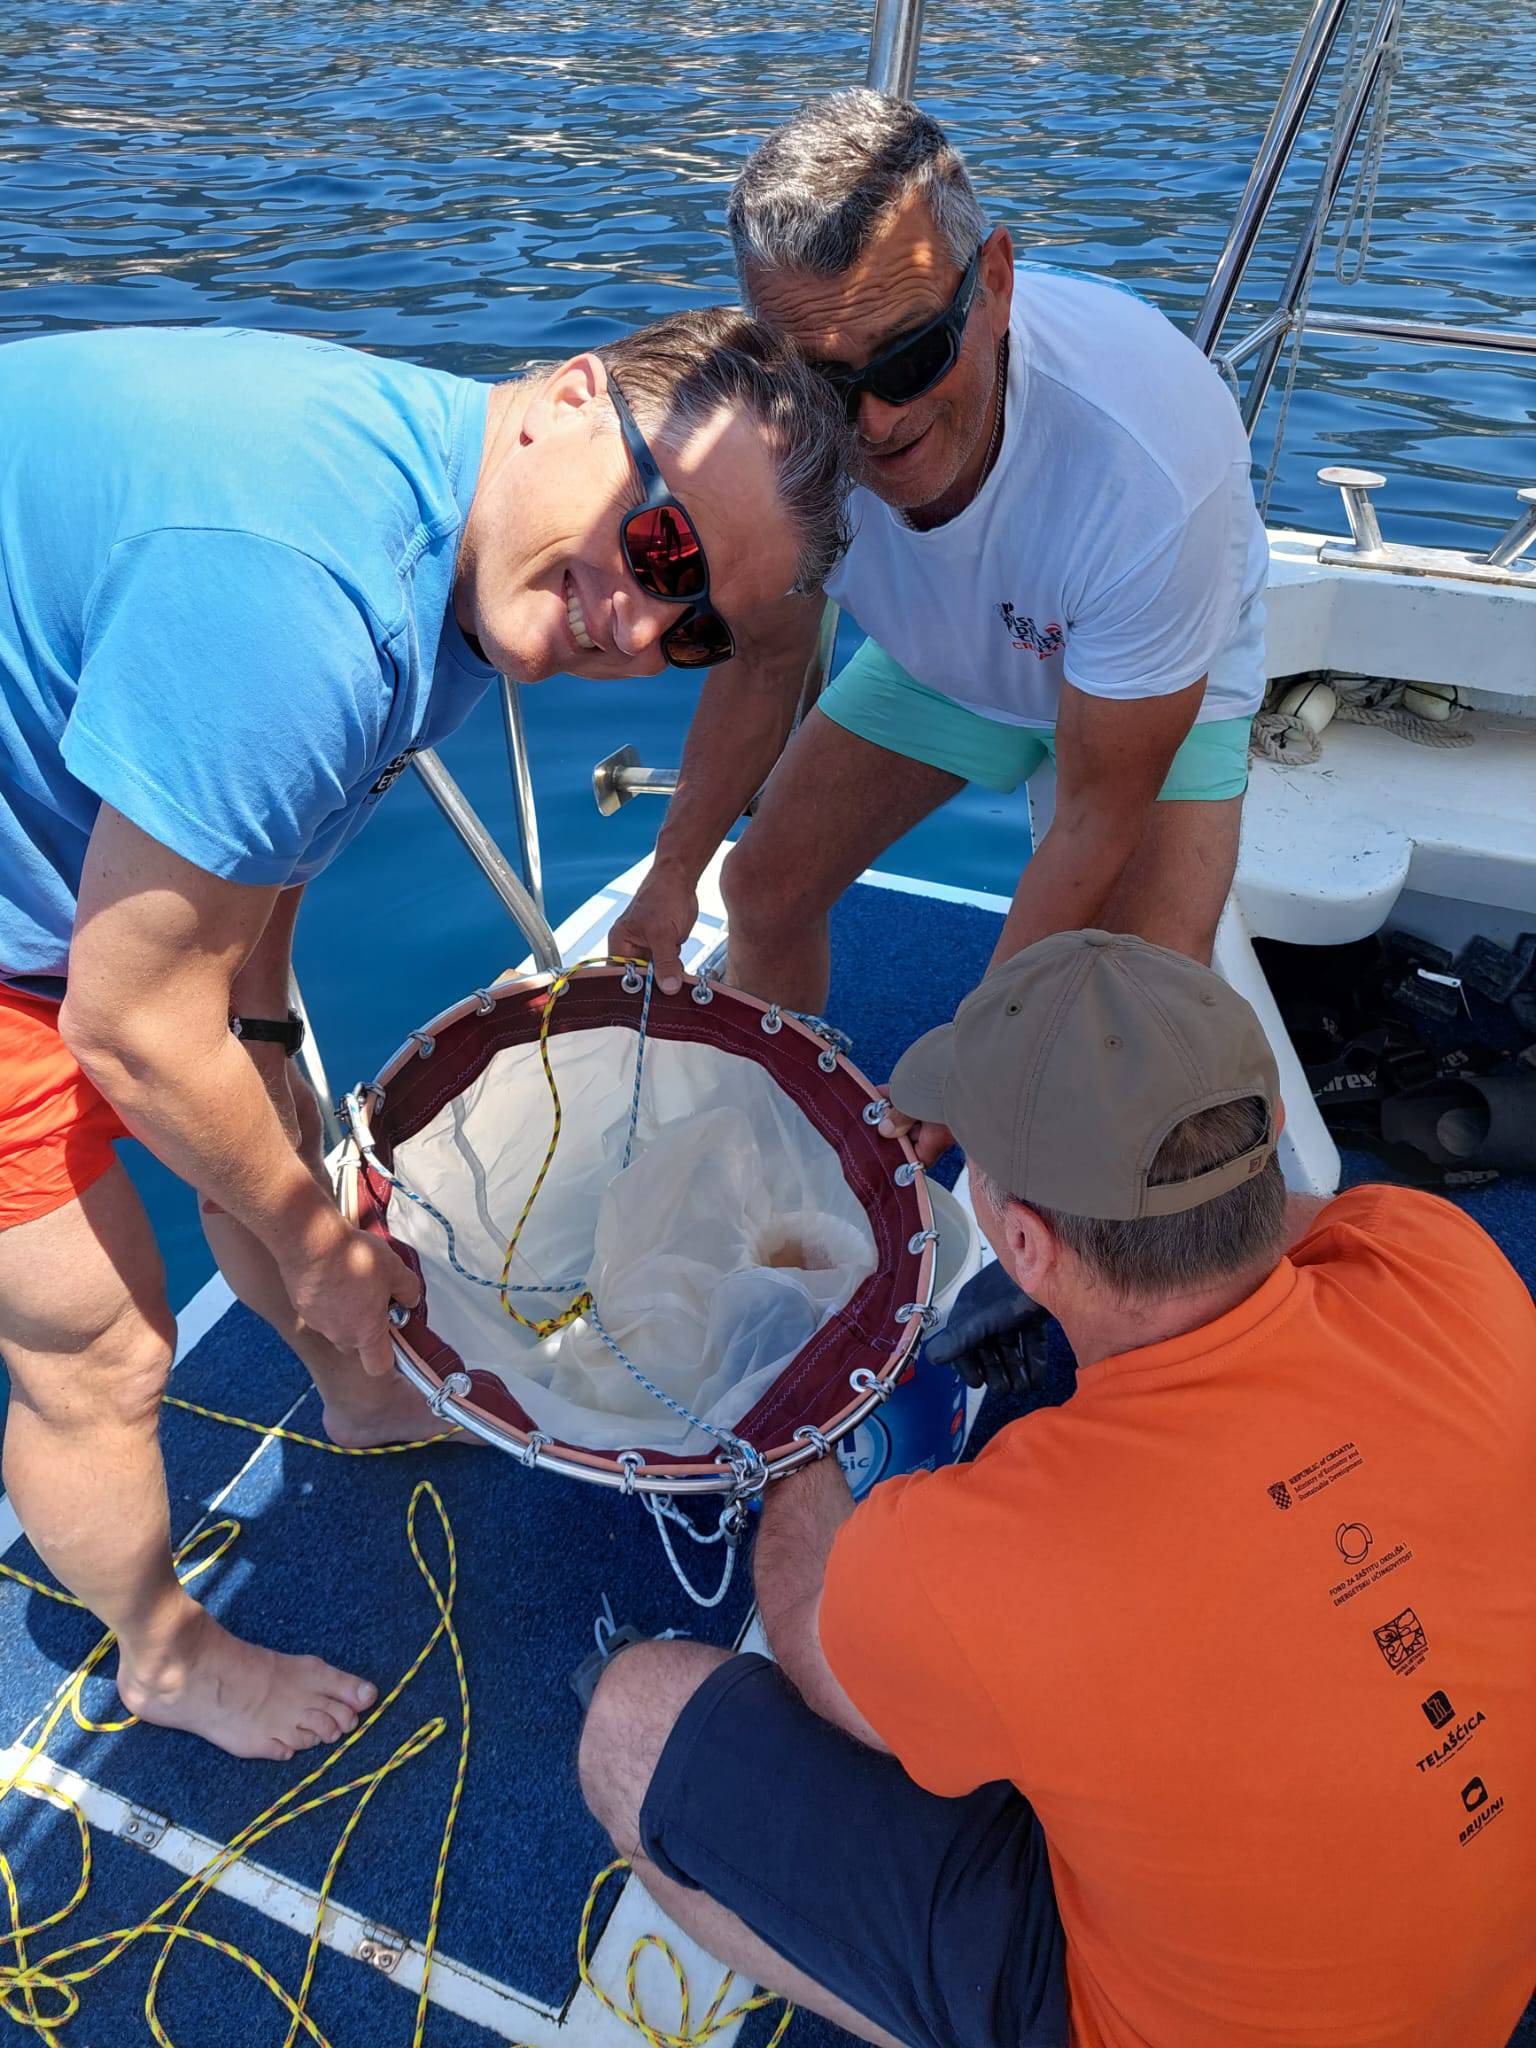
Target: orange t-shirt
{"type": "Point", "coordinates": [1251, 1622]}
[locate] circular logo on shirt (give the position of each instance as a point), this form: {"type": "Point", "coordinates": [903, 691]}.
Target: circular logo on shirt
{"type": "Point", "coordinates": [1354, 1540]}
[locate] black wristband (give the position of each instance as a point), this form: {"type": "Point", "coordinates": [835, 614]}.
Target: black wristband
{"type": "Point", "coordinates": [287, 1032]}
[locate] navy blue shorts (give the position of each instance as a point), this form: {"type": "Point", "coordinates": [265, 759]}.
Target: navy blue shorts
{"type": "Point", "coordinates": [935, 1918]}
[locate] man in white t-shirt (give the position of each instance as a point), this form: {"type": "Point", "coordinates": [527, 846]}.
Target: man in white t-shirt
{"type": "Point", "coordinates": [1056, 553]}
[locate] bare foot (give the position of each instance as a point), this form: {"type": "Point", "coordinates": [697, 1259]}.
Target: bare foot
{"type": "Point", "coordinates": [249, 1701]}
{"type": "Point", "coordinates": [384, 1411]}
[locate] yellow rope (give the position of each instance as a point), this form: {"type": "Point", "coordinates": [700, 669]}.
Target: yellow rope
{"type": "Point", "coordinates": [23, 1982]}
{"type": "Point", "coordinates": [288, 1436]}
{"type": "Point", "coordinates": [583, 1301]}
{"type": "Point", "coordinates": [714, 2021]}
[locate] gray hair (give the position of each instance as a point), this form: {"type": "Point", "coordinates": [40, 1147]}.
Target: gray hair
{"type": "Point", "coordinates": [679, 372]}
{"type": "Point", "coordinates": [1156, 1256]}
{"type": "Point", "coordinates": [815, 191]}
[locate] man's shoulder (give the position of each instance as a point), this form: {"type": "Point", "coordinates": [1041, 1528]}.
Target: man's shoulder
{"type": "Point", "coordinates": [336, 455]}
{"type": "Point", "coordinates": [238, 428]}
{"type": "Point", "coordinates": [1379, 1210]}
{"type": "Point", "coordinates": [1417, 1259]}
{"type": "Point", "coordinates": [1123, 378]}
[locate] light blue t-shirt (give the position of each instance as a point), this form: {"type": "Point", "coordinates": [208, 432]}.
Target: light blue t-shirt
{"type": "Point", "coordinates": [226, 563]}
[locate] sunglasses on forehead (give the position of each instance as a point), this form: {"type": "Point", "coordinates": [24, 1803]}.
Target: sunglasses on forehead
{"type": "Point", "coordinates": [664, 554]}
{"type": "Point", "coordinates": [915, 363]}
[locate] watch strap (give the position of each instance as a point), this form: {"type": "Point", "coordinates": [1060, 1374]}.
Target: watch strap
{"type": "Point", "coordinates": [288, 1032]}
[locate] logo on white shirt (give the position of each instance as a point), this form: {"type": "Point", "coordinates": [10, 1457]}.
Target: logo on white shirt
{"type": "Point", "coordinates": [1041, 641]}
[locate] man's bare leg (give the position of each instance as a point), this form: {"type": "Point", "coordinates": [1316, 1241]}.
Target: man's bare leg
{"type": "Point", "coordinates": [633, 1711]}
{"type": "Point", "coordinates": [833, 804]}
{"type": "Point", "coordinates": [1173, 887]}
{"type": "Point", "coordinates": [88, 1338]}
{"type": "Point", "coordinates": [360, 1409]}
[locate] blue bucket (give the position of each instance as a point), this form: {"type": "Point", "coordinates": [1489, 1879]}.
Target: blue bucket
{"type": "Point", "coordinates": [924, 1422]}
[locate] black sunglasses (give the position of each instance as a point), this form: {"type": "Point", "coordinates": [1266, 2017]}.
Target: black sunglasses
{"type": "Point", "coordinates": [914, 364]}
{"type": "Point", "coordinates": [664, 554]}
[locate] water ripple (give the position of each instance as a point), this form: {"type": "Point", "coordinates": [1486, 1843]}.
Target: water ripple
{"type": "Point", "coordinates": [490, 185]}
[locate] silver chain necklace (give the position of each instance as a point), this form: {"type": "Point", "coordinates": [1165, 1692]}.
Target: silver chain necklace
{"type": "Point", "coordinates": [997, 427]}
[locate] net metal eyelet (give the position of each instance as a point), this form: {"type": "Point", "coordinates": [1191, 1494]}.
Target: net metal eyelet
{"type": "Point", "coordinates": [827, 1061]}
{"type": "Point", "coordinates": [772, 1022]}
{"type": "Point", "coordinates": [876, 1112]}
{"type": "Point", "coordinates": [632, 981]}
{"type": "Point", "coordinates": [453, 1388]}
{"type": "Point", "coordinates": [926, 1313]}
{"type": "Point", "coordinates": [424, 1042]}
{"type": "Point", "coordinates": [631, 1464]}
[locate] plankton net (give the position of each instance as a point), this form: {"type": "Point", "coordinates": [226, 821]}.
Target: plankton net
{"type": "Point", "coordinates": [662, 1243]}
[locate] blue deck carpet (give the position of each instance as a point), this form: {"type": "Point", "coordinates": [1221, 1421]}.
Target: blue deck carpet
{"type": "Point", "coordinates": [205, 1999]}
{"type": "Point", "coordinates": [323, 1564]}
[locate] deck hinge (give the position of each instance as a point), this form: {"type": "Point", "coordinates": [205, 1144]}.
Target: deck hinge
{"type": "Point", "coordinates": [381, 1947]}
{"type": "Point", "coordinates": [144, 1827]}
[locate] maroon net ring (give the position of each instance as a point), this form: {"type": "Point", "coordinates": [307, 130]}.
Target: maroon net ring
{"type": "Point", "coordinates": [827, 1388]}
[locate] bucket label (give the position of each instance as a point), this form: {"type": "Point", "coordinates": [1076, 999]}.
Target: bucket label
{"type": "Point", "coordinates": [921, 1427]}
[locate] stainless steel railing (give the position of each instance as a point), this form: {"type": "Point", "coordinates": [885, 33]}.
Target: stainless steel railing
{"type": "Point", "coordinates": [893, 45]}
{"type": "Point", "coordinates": [1297, 92]}
{"type": "Point", "coordinates": [1261, 348]}
{"type": "Point", "coordinates": [894, 41]}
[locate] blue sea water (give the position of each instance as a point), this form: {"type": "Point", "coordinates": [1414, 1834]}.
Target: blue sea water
{"type": "Point", "coordinates": [489, 185]}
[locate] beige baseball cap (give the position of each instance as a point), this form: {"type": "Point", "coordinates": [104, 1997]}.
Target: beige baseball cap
{"type": "Point", "coordinates": [1063, 1073]}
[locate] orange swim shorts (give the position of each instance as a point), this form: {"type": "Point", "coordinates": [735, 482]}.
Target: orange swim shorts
{"type": "Point", "coordinates": [56, 1128]}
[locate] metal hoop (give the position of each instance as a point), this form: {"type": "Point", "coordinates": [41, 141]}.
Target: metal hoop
{"type": "Point", "coordinates": [632, 981]}
{"type": "Point", "coordinates": [827, 1061]}
{"type": "Point", "coordinates": [485, 1002]}
{"type": "Point", "coordinates": [424, 1043]}
{"type": "Point", "coordinates": [631, 1463]}
{"type": "Point", "coordinates": [927, 1313]}
{"type": "Point", "coordinates": [808, 1433]}
{"type": "Point", "coordinates": [772, 1022]}
{"type": "Point", "coordinates": [876, 1112]}
{"type": "Point", "coordinates": [701, 991]}
{"type": "Point", "coordinates": [907, 1172]}
{"type": "Point", "coordinates": [919, 1238]}
{"type": "Point", "coordinates": [399, 1315]}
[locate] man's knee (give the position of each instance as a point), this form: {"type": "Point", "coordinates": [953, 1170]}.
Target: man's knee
{"type": "Point", "coordinates": [117, 1372]}
{"type": "Point", "coordinates": [633, 1711]}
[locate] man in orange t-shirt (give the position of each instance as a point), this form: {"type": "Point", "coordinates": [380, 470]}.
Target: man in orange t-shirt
{"type": "Point", "coordinates": [1208, 1699]}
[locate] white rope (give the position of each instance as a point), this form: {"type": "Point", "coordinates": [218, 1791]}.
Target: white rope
{"type": "Point", "coordinates": [1362, 700]}
{"type": "Point", "coordinates": [1376, 700]}
{"type": "Point", "coordinates": [1278, 736]}
{"type": "Point", "coordinates": [1364, 195]}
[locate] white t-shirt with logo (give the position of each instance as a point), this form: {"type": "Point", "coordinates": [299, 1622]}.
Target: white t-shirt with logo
{"type": "Point", "coordinates": [1115, 545]}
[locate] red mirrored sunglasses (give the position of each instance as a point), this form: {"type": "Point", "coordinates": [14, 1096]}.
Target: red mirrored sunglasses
{"type": "Point", "coordinates": [664, 554]}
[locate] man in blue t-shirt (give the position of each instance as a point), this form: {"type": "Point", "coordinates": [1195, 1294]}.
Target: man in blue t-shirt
{"type": "Point", "coordinates": [243, 578]}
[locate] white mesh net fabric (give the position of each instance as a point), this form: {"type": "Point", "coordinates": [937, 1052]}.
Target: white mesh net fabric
{"type": "Point", "coordinates": [727, 1243]}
